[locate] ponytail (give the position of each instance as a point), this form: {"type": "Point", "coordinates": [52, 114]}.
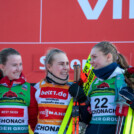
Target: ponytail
{"type": "Point", "coordinates": [122, 61]}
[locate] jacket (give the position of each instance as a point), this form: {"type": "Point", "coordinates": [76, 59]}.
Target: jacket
{"type": "Point", "coordinates": [18, 106]}
{"type": "Point", "coordinates": [53, 101]}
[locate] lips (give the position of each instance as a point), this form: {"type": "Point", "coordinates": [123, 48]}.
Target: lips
{"type": "Point", "coordinates": [16, 75]}
{"type": "Point", "coordinates": [64, 73]}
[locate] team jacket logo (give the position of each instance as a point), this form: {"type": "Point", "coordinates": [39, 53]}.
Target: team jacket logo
{"type": "Point", "coordinates": [10, 94]}
{"type": "Point", "coordinates": [103, 85]}
{"type": "Point", "coordinates": [11, 112]}
{"type": "Point", "coordinates": [24, 87]}
{"type": "Point", "coordinates": [52, 92]}
{"type": "Point", "coordinates": [12, 97]}
{"type": "Point", "coordinates": [51, 113]}
{"type": "Point", "coordinates": [45, 128]}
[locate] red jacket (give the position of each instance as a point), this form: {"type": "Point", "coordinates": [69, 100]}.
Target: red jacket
{"type": "Point", "coordinates": [18, 106]}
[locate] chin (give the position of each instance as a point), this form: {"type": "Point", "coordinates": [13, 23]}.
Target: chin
{"type": "Point", "coordinates": [63, 77]}
{"type": "Point", "coordinates": [16, 77]}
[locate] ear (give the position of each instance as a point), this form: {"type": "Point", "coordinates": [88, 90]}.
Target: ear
{"type": "Point", "coordinates": [1, 67]}
{"type": "Point", "coordinates": [48, 66]}
{"type": "Point", "coordinates": [110, 57]}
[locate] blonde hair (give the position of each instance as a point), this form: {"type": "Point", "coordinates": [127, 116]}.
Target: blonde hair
{"type": "Point", "coordinates": [50, 56]}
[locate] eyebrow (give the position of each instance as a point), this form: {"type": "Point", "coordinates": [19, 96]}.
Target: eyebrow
{"type": "Point", "coordinates": [63, 61]}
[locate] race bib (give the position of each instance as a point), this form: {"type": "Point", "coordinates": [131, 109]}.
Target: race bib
{"type": "Point", "coordinates": [103, 105]}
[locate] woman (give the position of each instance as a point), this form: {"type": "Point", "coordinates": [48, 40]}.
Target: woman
{"type": "Point", "coordinates": [18, 106]}
{"type": "Point", "coordinates": [52, 93]}
{"type": "Point", "coordinates": [109, 66]}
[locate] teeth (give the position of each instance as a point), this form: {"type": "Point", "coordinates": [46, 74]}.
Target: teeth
{"type": "Point", "coordinates": [64, 73]}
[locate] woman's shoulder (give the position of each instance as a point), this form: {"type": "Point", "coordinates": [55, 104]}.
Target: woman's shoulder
{"type": "Point", "coordinates": [38, 85]}
{"type": "Point", "coordinates": [70, 82]}
{"type": "Point", "coordinates": [117, 71]}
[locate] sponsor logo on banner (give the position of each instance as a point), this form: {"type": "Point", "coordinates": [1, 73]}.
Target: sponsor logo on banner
{"type": "Point", "coordinates": [93, 14]}
{"type": "Point", "coordinates": [40, 60]}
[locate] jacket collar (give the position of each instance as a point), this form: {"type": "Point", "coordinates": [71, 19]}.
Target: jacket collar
{"type": "Point", "coordinates": [117, 71]}
{"type": "Point", "coordinates": [11, 83]}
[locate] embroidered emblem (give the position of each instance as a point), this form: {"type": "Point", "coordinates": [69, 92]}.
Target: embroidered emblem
{"type": "Point", "coordinates": [24, 87]}
{"type": "Point", "coordinates": [103, 85]}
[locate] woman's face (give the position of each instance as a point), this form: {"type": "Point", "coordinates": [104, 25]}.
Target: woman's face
{"type": "Point", "coordinates": [60, 66]}
{"type": "Point", "coordinates": [13, 67]}
{"type": "Point", "coordinates": [99, 60]}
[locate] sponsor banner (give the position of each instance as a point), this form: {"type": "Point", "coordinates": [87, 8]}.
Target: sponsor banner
{"type": "Point", "coordinates": [66, 20]}
{"type": "Point", "coordinates": [74, 26]}
{"type": "Point", "coordinates": [87, 20]}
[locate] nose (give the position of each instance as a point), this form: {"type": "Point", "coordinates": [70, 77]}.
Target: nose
{"type": "Point", "coordinates": [19, 68]}
{"type": "Point", "coordinates": [66, 66]}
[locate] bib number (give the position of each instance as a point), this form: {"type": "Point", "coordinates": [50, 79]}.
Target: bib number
{"type": "Point", "coordinates": [103, 104]}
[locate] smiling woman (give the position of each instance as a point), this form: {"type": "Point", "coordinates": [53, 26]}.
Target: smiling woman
{"type": "Point", "coordinates": [13, 67]}
{"type": "Point", "coordinates": [52, 93]}
{"type": "Point", "coordinates": [109, 66]}
{"type": "Point", "coordinates": [57, 66]}
{"type": "Point", "coordinates": [17, 97]}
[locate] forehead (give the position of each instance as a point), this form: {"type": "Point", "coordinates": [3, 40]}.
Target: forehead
{"type": "Point", "coordinates": [60, 57]}
{"type": "Point", "coordinates": [12, 58]}
{"type": "Point", "coordinates": [95, 51]}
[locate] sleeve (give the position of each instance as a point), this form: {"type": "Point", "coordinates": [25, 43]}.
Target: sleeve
{"type": "Point", "coordinates": [119, 83]}
{"type": "Point", "coordinates": [85, 115]}
{"type": "Point", "coordinates": [32, 109]}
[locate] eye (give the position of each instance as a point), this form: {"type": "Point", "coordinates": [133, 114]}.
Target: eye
{"type": "Point", "coordinates": [14, 65]}
{"type": "Point", "coordinates": [62, 63]}
{"type": "Point", "coordinates": [20, 64]}
{"type": "Point", "coordinates": [93, 57]}
{"type": "Point", "coordinates": [67, 63]}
